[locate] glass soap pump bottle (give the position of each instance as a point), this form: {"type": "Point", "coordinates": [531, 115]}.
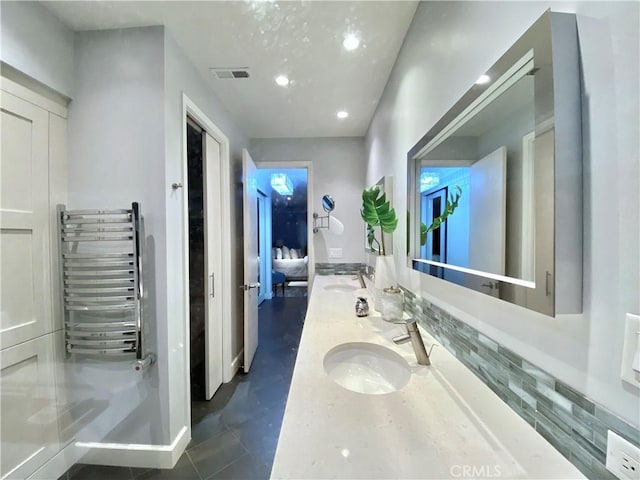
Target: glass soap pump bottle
{"type": "Point", "coordinates": [392, 304]}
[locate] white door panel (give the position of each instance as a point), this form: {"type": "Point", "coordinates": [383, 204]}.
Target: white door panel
{"type": "Point", "coordinates": [213, 266]}
{"type": "Point", "coordinates": [24, 222]}
{"type": "Point", "coordinates": [487, 232]}
{"type": "Point", "coordinates": [251, 261]}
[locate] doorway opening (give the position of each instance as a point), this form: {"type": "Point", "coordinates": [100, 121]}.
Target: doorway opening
{"type": "Point", "coordinates": [285, 235]}
{"type": "Point", "coordinates": [195, 201]}
{"type": "Point", "coordinates": [212, 180]}
{"type": "Point", "coordinates": [204, 244]}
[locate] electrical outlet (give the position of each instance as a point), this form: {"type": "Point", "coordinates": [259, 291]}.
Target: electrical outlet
{"type": "Point", "coordinates": [623, 458]}
{"type": "Point", "coordinates": [335, 253]}
{"type": "Point", "coordinates": [629, 349]}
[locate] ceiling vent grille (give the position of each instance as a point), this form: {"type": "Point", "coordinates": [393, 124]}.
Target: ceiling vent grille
{"type": "Point", "coordinates": [230, 73]}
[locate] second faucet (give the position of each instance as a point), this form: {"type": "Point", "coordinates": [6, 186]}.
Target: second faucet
{"type": "Point", "coordinates": [413, 334]}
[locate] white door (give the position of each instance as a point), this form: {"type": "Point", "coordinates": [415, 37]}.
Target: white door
{"type": "Point", "coordinates": [24, 222]}
{"type": "Point", "coordinates": [251, 260]}
{"type": "Point", "coordinates": [487, 218]}
{"type": "Point", "coordinates": [213, 266]}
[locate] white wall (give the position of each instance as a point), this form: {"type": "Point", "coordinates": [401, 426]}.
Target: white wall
{"type": "Point", "coordinates": [134, 102]}
{"type": "Point", "coordinates": [447, 47]}
{"type": "Point", "coordinates": [125, 134]}
{"type": "Point", "coordinates": [338, 170]}
{"type": "Point", "coordinates": [116, 157]}
{"type": "Point", "coordinates": [181, 76]}
{"type": "Point", "coordinates": [38, 44]}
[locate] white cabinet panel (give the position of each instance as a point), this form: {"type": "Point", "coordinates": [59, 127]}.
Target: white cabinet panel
{"type": "Point", "coordinates": [17, 279]}
{"type": "Point", "coordinates": [33, 180]}
{"type": "Point", "coordinates": [25, 311]}
{"type": "Point", "coordinates": [17, 164]}
{"type": "Point", "coordinates": [29, 428]}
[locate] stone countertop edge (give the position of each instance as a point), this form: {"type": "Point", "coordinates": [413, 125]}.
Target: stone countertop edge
{"type": "Point", "coordinates": [445, 423]}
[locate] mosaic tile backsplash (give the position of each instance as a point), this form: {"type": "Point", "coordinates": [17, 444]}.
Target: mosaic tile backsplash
{"type": "Point", "coordinates": [575, 425]}
{"type": "Point", "coordinates": [340, 268]}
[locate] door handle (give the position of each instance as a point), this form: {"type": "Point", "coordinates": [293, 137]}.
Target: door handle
{"type": "Point", "coordinates": [547, 283]}
{"type": "Point", "coordinates": [250, 286]}
{"type": "Point", "coordinates": [212, 286]}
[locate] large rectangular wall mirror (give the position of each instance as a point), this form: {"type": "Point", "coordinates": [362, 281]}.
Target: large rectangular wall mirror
{"type": "Point", "coordinates": [500, 174]}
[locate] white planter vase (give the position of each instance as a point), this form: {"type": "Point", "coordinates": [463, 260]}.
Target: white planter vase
{"type": "Point", "coordinates": [385, 277]}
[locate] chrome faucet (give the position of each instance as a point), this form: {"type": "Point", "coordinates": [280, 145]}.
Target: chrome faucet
{"type": "Point", "coordinates": [413, 334]}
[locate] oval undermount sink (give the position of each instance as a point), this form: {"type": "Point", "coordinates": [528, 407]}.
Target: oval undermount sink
{"type": "Point", "coordinates": [366, 368]}
{"type": "Point", "coordinates": [340, 287]}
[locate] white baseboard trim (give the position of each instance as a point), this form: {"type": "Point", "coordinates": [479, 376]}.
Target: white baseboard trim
{"type": "Point", "coordinates": [236, 363]}
{"type": "Point", "coordinates": [135, 455]}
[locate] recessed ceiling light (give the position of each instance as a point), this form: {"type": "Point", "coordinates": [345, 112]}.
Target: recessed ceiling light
{"type": "Point", "coordinates": [282, 80]}
{"type": "Point", "coordinates": [342, 114]}
{"type": "Point", "coordinates": [482, 79]}
{"type": "Point", "coordinates": [351, 41]}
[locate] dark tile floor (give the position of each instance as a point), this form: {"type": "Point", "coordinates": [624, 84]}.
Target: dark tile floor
{"type": "Point", "coordinates": [234, 436]}
{"type": "Point", "coordinates": [293, 290]}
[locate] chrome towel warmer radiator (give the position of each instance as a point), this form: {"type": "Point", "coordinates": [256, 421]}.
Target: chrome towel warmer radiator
{"type": "Point", "coordinates": [101, 278]}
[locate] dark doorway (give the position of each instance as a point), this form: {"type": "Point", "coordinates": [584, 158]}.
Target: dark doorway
{"type": "Point", "coordinates": [195, 152]}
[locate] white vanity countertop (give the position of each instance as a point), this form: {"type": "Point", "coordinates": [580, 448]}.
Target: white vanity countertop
{"type": "Point", "coordinates": [445, 423]}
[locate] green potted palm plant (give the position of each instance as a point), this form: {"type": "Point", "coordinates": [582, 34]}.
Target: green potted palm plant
{"type": "Point", "coordinates": [377, 212]}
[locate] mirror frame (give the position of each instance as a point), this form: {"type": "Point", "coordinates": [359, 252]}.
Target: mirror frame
{"type": "Point", "coordinates": [557, 284]}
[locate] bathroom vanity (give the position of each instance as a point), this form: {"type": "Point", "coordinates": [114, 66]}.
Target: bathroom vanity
{"type": "Point", "coordinates": [441, 422]}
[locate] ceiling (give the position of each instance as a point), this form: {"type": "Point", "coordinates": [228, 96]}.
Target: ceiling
{"type": "Point", "coordinates": [300, 39]}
